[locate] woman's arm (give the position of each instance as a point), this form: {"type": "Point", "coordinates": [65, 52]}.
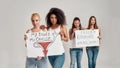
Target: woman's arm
{"type": "Point", "coordinates": [25, 36]}
{"type": "Point", "coordinates": [64, 33]}
{"type": "Point", "coordinates": [72, 34]}
{"type": "Point", "coordinates": [99, 33]}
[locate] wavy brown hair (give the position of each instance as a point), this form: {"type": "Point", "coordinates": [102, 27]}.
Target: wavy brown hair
{"type": "Point", "coordinates": [95, 25]}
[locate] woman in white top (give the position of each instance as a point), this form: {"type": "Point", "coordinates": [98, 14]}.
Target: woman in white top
{"type": "Point", "coordinates": [35, 62]}
{"type": "Point", "coordinates": [56, 22]}
{"type": "Point", "coordinates": [75, 53]}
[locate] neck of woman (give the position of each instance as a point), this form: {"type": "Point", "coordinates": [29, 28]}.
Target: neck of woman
{"type": "Point", "coordinates": [36, 27]}
{"type": "Point", "coordinates": [92, 27]}
{"type": "Point", "coordinates": [78, 28]}
{"type": "Point", "coordinates": [55, 26]}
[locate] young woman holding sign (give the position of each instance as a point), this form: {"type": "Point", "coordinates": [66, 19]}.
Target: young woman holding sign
{"type": "Point", "coordinates": [56, 22]}
{"type": "Point", "coordinates": [75, 52]}
{"type": "Point", "coordinates": [92, 51]}
{"type": "Point", "coordinates": [39, 62]}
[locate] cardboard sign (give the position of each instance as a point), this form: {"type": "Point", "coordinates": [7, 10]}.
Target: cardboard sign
{"type": "Point", "coordinates": [43, 44]}
{"type": "Point", "coordinates": [85, 38]}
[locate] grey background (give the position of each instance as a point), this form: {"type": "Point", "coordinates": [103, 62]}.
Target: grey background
{"type": "Point", "coordinates": [15, 20]}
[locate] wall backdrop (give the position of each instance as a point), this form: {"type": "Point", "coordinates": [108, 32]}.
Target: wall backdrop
{"type": "Point", "coordinates": [15, 20]}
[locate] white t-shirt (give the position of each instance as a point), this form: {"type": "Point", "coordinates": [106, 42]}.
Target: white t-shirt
{"type": "Point", "coordinates": [61, 48]}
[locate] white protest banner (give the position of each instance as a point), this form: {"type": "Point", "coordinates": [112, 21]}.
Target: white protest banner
{"type": "Point", "coordinates": [85, 38]}
{"type": "Point", "coordinates": [42, 43]}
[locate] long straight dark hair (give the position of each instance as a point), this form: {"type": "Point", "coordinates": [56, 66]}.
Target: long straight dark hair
{"type": "Point", "coordinates": [73, 26]}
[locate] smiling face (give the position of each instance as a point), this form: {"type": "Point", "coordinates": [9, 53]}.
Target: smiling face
{"type": "Point", "coordinates": [53, 19]}
{"type": "Point", "coordinates": [35, 20]}
{"type": "Point", "coordinates": [76, 23]}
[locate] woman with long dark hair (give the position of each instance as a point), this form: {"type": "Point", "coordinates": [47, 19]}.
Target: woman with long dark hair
{"type": "Point", "coordinates": [75, 53]}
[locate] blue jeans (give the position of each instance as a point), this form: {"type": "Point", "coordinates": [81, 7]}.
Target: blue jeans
{"type": "Point", "coordinates": [76, 55]}
{"type": "Point", "coordinates": [34, 63]}
{"type": "Point", "coordinates": [92, 53]}
{"type": "Point", "coordinates": [57, 61]}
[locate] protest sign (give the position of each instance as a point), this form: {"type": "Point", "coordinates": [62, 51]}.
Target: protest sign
{"type": "Point", "coordinates": [84, 38]}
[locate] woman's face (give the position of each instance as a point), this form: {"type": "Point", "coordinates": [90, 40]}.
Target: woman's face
{"type": "Point", "coordinates": [92, 21]}
{"type": "Point", "coordinates": [35, 20]}
{"type": "Point", "coordinates": [53, 19]}
{"type": "Point", "coordinates": [76, 23]}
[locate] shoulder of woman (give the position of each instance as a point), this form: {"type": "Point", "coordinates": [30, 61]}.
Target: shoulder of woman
{"type": "Point", "coordinates": [63, 27]}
